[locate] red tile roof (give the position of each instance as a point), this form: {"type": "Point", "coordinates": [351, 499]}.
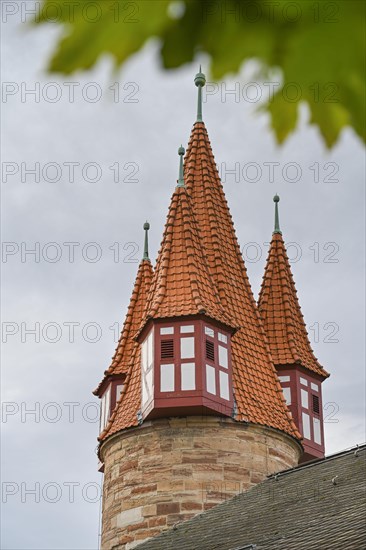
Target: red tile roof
{"type": "Point", "coordinates": [126, 344]}
{"type": "Point", "coordinates": [258, 393]}
{"type": "Point", "coordinates": [127, 358]}
{"type": "Point", "coordinates": [182, 284]}
{"type": "Point", "coordinates": [200, 268]}
{"type": "Point", "coordinates": [279, 308]}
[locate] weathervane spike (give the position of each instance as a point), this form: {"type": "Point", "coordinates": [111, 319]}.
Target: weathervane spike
{"type": "Point", "coordinates": [146, 245]}
{"type": "Point", "coordinates": [276, 200]}
{"type": "Point", "coordinates": [181, 152]}
{"type": "Point", "coordinates": [200, 81]}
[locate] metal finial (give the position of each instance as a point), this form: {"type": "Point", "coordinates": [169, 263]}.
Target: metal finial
{"type": "Point", "coordinates": [146, 245]}
{"type": "Point", "coordinates": [181, 152]}
{"type": "Point", "coordinates": [200, 81]}
{"type": "Point", "coordinates": [276, 200]}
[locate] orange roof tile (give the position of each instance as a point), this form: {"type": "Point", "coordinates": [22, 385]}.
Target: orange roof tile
{"type": "Point", "coordinates": [129, 403]}
{"type": "Point", "coordinates": [181, 283]}
{"type": "Point", "coordinates": [279, 308]}
{"type": "Point", "coordinates": [126, 344]}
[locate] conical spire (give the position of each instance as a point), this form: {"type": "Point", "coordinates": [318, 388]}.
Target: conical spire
{"type": "Point", "coordinates": [181, 283]}
{"type": "Point", "coordinates": [126, 343]}
{"type": "Point", "coordinates": [200, 81]}
{"type": "Point", "coordinates": [276, 200]}
{"type": "Point", "coordinates": [127, 358]}
{"type": "Point", "coordinates": [281, 313]}
{"type": "Point", "coordinates": [258, 394]}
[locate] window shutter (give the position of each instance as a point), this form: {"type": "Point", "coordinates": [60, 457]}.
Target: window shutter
{"type": "Point", "coordinates": [210, 351]}
{"type": "Point", "coordinates": [167, 349]}
{"type": "Point", "coordinates": [316, 405]}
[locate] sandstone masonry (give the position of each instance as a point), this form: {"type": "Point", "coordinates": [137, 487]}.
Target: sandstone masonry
{"type": "Point", "coordinates": [167, 471]}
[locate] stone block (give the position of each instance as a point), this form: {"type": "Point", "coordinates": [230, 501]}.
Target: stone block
{"type": "Point", "coordinates": [133, 515]}
{"type": "Point", "coordinates": [168, 508]}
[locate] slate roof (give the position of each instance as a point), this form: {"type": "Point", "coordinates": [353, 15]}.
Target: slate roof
{"type": "Point", "coordinates": [318, 506]}
{"type": "Point", "coordinates": [280, 310]}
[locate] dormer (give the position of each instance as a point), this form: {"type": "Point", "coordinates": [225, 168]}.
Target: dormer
{"type": "Point", "coordinates": [186, 368]}
{"type": "Point", "coordinates": [303, 393]}
{"type": "Point", "coordinates": [109, 394]}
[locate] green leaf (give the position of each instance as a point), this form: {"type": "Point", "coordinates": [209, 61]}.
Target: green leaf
{"type": "Point", "coordinates": [283, 116]}
{"type": "Point", "coordinates": [121, 29]}
{"type": "Point", "coordinates": [318, 46]}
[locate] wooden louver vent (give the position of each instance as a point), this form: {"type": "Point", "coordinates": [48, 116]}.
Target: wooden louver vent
{"type": "Point", "coordinates": [210, 352]}
{"type": "Point", "coordinates": [167, 349]}
{"type": "Point", "coordinates": [316, 406]}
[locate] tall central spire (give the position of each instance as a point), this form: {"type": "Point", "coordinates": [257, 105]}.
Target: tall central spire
{"type": "Point", "coordinates": [200, 81]}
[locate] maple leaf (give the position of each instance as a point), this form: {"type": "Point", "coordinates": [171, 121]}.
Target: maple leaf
{"type": "Point", "coordinates": [318, 47]}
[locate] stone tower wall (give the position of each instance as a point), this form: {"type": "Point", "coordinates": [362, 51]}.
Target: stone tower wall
{"type": "Point", "coordinates": [166, 471]}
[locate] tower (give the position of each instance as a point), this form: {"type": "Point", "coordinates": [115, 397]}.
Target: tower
{"type": "Point", "coordinates": [298, 370]}
{"type": "Point", "coordinates": [200, 414]}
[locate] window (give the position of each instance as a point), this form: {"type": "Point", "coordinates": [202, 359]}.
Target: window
{"type": "Point", "coordinates": [209, 331]}
{"type": "Point", "coordinates": [284, 378]}
{"type": "Point", "coordinates": [316, 404]}
{"type": "Point", "coordinates": [303, 381]}
{"type": "Point", "coordinates": [166, 349]}
{"type": "Point", "coordinates": [187, 328]}
{"type": "Point", "coordinates": [317, 432]}
{"type": "Point", "coordinates": [167, 377]}
{"type": "Point", "coordinates": [119, 388]}
{"type": "Point", "coordinates": [306, 425]}
{"type": "Point", "coordinates": [305, 399]}
{"type": "Point", "coordinates": [188, 376]}
{"type": "Point", "coordinates": [147, 381]}
{"type": "Point", "coordinates": [287, 394]}
{"type": "Point", "coordinates": [105, 409]}
{"type": "Point", "coordinates": [187, 348]}
{"type": "Point", "coordinates": [223, 359]}
{"type": "Point", "coordinates": [187, 364]}
{"type": "Point", "coordinates": [167, 330]}
{"type": "Point", "coordinates": [147, 386]}
{"type": "Point", "coordinates": [150, 356]}
{"type": "Point", "coordinates": [224, 385]}
{"type": "Point", "coordinates": [210, 379]}
{"type": "Point", "coordinates": [314, 387]}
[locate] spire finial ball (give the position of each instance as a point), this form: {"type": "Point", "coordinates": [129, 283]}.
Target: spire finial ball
{"type": "Point", "coordinates": [276, 198]}
{"type": "Point", "coordinates": [181, 150]}
{"type": "Point", "coordinates": [146, 226]}
{"type": "Point", "coordinates": [200, 79]}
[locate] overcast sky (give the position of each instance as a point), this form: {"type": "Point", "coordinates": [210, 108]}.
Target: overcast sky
{"type": "Point", "coordinates": [52, 450]}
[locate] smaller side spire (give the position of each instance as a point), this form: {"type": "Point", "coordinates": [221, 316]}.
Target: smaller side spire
{"type": "Point", "coordinates": [276, 200]}
{"type": "Point", "coordinates": [146, 244]}
{"type": "Point", "coordinates": [200, 81]}
{"type": "Point", "coordinates": [180, 181]}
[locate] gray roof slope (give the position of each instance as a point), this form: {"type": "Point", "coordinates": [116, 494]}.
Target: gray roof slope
{"type": "Point", "coordinates": [319, 506]}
